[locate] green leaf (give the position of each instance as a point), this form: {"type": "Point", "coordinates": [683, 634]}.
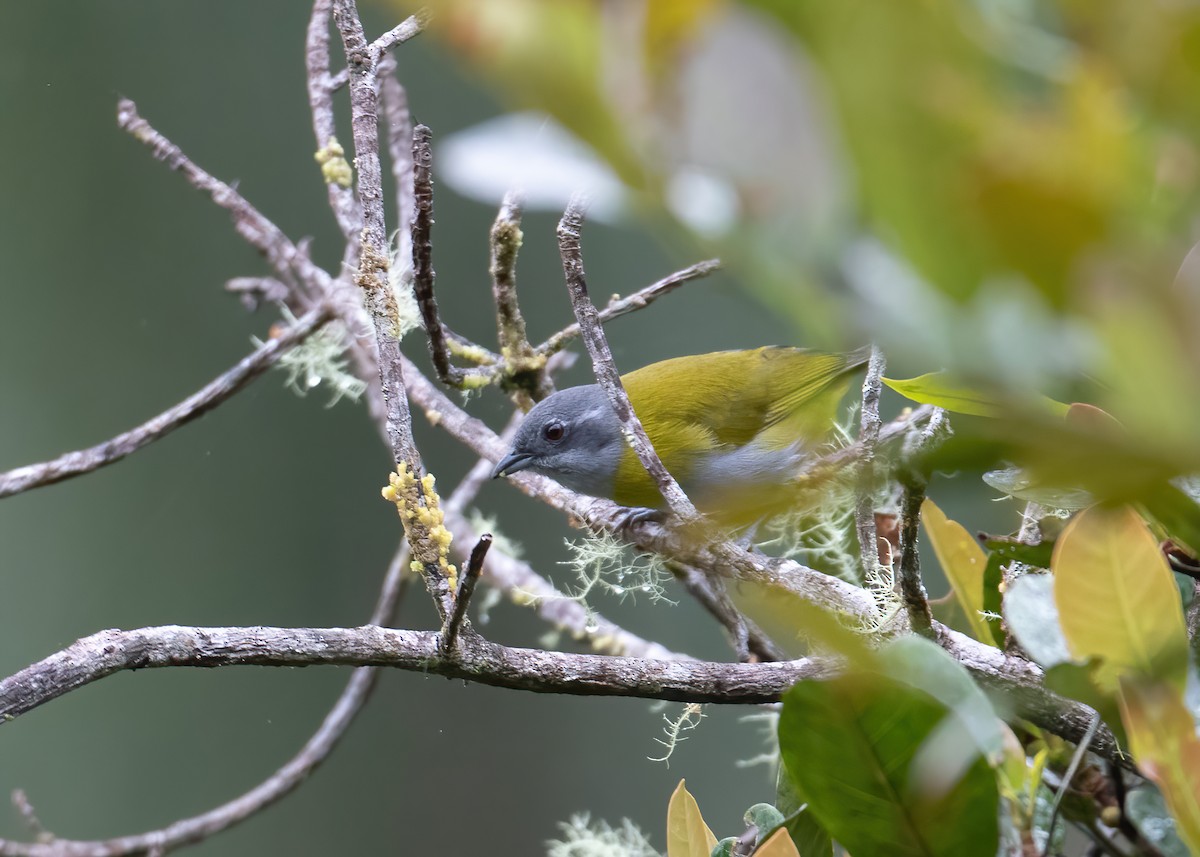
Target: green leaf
{"type": "Point", "coordinates": [1037, 556]}
{"type": "Point", "coordinates": [1117, 600]}
{"type": "Point", "coordinates": [936, 388]}
{"type": "Point", "coordinates": [1032, 617]}
{"type": "Point", "coordinates": [764, 817]}
{"type": "Point", "coordinates": [857, 746]}
{"type": "Point", "coordinates": [925, 666]}
{"type": "Point", "coordinates": [725, 847]}
{"type": "Point", "coordinates": [963, 562]}
{"type": "Point", "coordinates": [1148, 812]}
{"type": "Point", "coordinates": [993, 577]}
{"type": "Point", "coordinates": [687, 834]}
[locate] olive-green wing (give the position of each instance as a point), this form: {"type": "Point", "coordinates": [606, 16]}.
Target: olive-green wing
{"type": "Point", "coordinates": [735, 396]}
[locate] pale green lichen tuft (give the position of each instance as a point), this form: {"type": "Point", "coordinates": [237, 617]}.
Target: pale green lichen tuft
{"type": "Point", "coordinates": [675, 728]}
{"type": "Point", "coordinates": [335, 169]}
{"type": "Point", "coordinates": [318, 361]}
{"type": "Point", "coordinates": [582, 837]}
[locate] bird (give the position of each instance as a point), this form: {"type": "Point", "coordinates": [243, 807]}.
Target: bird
{"type": "Point", "coordinates": [733, 427]}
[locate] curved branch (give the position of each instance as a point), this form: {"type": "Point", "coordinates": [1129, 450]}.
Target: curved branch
{"type": "Point", "coordinates": [196, 405]}
{"type": "Point", "coordinates": [107, 652]}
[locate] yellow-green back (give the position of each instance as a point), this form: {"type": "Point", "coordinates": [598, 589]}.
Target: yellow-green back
{"type": "Point", "coordinates": [771, 397]}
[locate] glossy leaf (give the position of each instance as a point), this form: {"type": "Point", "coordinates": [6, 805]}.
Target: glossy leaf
{"type": "Point", "coordinates": [963, 562]}
{"type": "Point", "coordinates": [851, 744]}
{"type": "Point", "coordinates": [1117, 600]}
{"type": "Point", "coordinates": [1032, 616]}
{"type": "Point", "coordinates": [687, 834]}
{"type": "Point", "coordinates": [925, 666]}
{"type": "Point", "coordinates": [764, 817]}
{"type": "Point", "coordinates": [1162, 735]}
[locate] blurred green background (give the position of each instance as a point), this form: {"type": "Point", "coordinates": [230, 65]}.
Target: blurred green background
{"type": "Point", "coordinates": [1000, 187]}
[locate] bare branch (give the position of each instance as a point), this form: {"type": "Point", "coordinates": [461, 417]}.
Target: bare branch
{"type": "Point", "coordinates": [394, 100]}
{"type": "Point", "coordinates": [423, 274]}
{"type": "Point", "coordinates": [112, 651]}
{"type": "Point", "coordinates": [109, 652]}
{"type": "Point", "coordinates": [194, 406]}
{"type": "Point", "coordinates": [321, 87]}
{"type": "Point", "coordinates": [912, 590]}
{"type": "Point", "coordinates": [868, 437]}
{"type": "Point", "coordinates": [466, 588]}
{"type": "Point", "coordinates": [605, 369]}
{"type": "Point", "coordinates": [288, 261]}
{"type": "Point", "coordinates": [398, 34]}
{"type": "Point", "coordinates": [255, 291]}
{"type": "Point", "coordinates": [638, 300]}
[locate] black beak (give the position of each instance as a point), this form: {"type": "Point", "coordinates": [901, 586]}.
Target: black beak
{"type": "Point", "coordinates": [512, 463]}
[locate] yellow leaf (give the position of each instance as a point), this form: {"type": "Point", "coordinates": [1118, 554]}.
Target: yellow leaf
{"type": "Point", "coordinates": [940, 390]}
{"type": "Point", "coordinates": [1163, 738]}
{"type": "Point", "coordinates": [779, 844]}
{"type": "Point", "coordinates": [963, 562]}
{"type": "Point", "coordinates": [687, 834]}
{"type": "Point", "coordinates": [1117, 600]}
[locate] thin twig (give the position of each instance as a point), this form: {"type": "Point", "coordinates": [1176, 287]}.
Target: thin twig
{"type": "Point", "coordinates": [342, 201]}
{"type": "Point", "coordinates": [1081, 750]}
{"type": "Point", "coordinates": [528, 588]}
{"type": "Point", "coordinates": [748, 639]}
{"type": "Point", "coordinates": [255, 291]}
{"type": "Point", "coordinates": [281, 783]}
{"type": "Point", "coordinates": [398, 35]}
{"type": "Point", "coordinates": [638, 300]}
{"type": "Point", "coordinates": [422, 267]}
{"type": "Point", "coordinates": [466, 588]}
{"type": "Point", "coordinates": [393, 98]}
{"type": "Point", "coordinates": [868, 438]}
{"type": "Point", "coordinates": [524, 369]}
{"type": "Point", "coordinates": [912, 590]}
{"type": "Point", "coordinates": [288, 261]}
{"type": "Point", "coordinates": [570, 249]}
{"type": "Point", "coordinates": [196, 405]}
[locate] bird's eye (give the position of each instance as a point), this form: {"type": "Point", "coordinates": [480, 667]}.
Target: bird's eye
{"type": "Point", "coordinates": [554, 432]}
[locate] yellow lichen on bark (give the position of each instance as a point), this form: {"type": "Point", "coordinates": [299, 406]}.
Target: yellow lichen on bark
{"type": "Point", "coordinates": [420, 511]}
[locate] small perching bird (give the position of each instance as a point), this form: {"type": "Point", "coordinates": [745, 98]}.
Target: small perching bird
{"type": "Point", "coordinates": [733, 427]}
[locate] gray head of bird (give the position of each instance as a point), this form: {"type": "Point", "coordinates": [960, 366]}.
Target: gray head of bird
{"type": "Point", "coordinates": [573, 437]}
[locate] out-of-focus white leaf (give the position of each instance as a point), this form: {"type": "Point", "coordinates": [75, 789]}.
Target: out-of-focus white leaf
{"type": "Point", "coordinates": [707, 203]}
{"type": "Point", "coordinates": [533, 154]}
